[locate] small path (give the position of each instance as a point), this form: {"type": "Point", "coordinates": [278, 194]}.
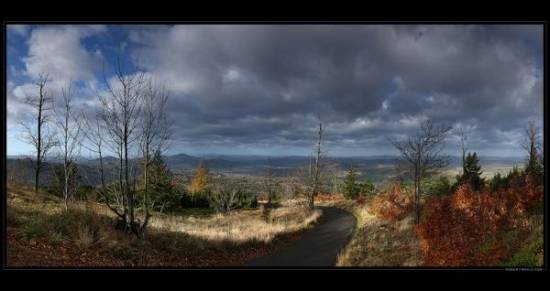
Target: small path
{"type": "Point", "coordinates": [318, 246]}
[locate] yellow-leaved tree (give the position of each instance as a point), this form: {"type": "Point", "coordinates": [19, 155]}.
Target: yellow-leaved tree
{"type": "Point", "coordinates": [200, 180]}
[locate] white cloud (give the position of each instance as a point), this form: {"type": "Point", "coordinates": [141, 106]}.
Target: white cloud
{"type": "Point", "coordinates": [22, 91]}
{"type": "Point", "coordinates": [58, 52]}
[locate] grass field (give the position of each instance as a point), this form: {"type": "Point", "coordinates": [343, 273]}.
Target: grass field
{"type": "Point", "coordinates": [41, 233]}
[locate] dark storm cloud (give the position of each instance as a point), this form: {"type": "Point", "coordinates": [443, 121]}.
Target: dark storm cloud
{"type": "Point", "coordinates": [257, 83]}
{"type": "Point", "coordinates": [264, 84]}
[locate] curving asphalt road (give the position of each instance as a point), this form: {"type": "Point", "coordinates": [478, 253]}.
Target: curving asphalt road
{"type": "Point", "coordinates": [318, 246]}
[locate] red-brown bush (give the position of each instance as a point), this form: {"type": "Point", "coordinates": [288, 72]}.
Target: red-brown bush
{"type": "Point", "coordinates": [360, 199]}
{"type": "Point", "coordinates": [466, 228]}
{"type": "Point", "coordinates": [393, 205]}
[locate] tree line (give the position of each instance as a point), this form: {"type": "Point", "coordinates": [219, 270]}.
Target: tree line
{"type": "Point", "coordinates": [129, 121]}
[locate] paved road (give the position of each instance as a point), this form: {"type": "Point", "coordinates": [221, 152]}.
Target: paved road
{"type": "Point", "coordinates": [318, 246]}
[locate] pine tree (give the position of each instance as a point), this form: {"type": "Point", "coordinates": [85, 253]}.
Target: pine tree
{"type": "Point", "coordinates": [200, 180]}
{"type": "Point", "coordinates": [162, 192]}
{"type": "Point", "coordinates": [472, 172]}
{"type": "Point", "coordinates": [351, 188]}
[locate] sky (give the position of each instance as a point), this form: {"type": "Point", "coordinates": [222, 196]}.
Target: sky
{"type": "Point", "coordinates": [257, 89]}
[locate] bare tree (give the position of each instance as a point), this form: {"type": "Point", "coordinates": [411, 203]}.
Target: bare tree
{"type": "Point", "coordinates": [93, 134]}
{"type": "Point", "coordinates": [533, 146]}
{"type": "Point", "coordinates": [462, 135]}
{"type": "Point", "coordinates": [120, 113]}
{"type": "Point", "coordinates": [41, 141]}
{"type": "Point", "coordinates": [154, 134]}
{"type": "Point", "coordinates": [330, 168]}
{"type": "Point", "coordinates": [225, 193]}
{"type": "Point", "coordinates": [69, 144]}
{"type": "Point", "coordinates": [423, 155]}
{"type": "Point", "coordinates": [314, 171]}
{"type": "Point", "coordinates": [290, 185]}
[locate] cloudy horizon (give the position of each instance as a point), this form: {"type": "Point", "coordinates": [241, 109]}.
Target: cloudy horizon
{"type": "Point", "coordinates": [257, 89]}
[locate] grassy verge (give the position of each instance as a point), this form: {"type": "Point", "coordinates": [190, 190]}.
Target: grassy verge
{"type": "Point", "coordinates": [377, 242]}
{"type": "Point", "coordinates": [41, 233]}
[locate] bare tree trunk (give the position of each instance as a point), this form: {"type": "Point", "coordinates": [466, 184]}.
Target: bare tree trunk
{"type": "Point", "coordinates": [317, 167]}
{"type": "Point", "coordinates": [41, 143]}
{"type": "Point", "coordinates": [70, 129]}
{"type": "Point", "coordinates": [38, 149]}
{"type": "Point", "coordinates": [101, 169]}
{"type": "Point", "coordinates": [423, 155]}
{"type": "Point", "coordinates": [463, 137]}
{"type": "Point", "coordinates": [146, 190]}
{"type": "Point", "coordinates": [154, 133]}
{"type": "Point", "coordinates": [66, 189]}
{"type": "Point", "coordinates": [121, 185]}
{"type": "Point", "coordinates": [417, 199]}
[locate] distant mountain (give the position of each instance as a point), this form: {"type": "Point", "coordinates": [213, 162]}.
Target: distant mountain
{"type": "Point", "coordinates": [181, 161]}
{"type": "Point", "coordinates": [373, 166]}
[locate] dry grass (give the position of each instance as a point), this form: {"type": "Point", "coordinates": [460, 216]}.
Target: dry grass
{"type": "Point", "coordinates": [241, 226]}
{"type": "Point", "coordinates": [377, 242]}
{"type": "Point", "coordinates": [42, 233]}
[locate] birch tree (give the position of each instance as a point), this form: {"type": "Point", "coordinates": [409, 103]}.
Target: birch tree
{"type": "Point", "coordinates": [120, 113]}
{"type": "Point", "coordinates": [69, 142]}
{"type": "Point", "coordinates": [153, 135]}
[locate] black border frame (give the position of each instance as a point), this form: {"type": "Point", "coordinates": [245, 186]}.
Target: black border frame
{"type": "Point", "coordinates": [287, 22]}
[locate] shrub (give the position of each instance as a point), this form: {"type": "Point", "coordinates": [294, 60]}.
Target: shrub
{"type": "Point", "coordinates": [438, 186]}
{"type": "Point", "coordinates": [469, 228]}
{"type": "Point", "coordinates": [248, 200]}
{"type": "Point", "coordinates": [85, 237]}
{"type": "Point", "coordinates": [198, 200]}
{"type": "Point", "coordinates": [360, 199]}
{"type": "Point", "coordinates": [367, 188]}
{"type": "Point", "coordinates": [35, 229]}
{"type": "Point", "coordinates": [523, 258]}
{"type": "Point", "coordinates": [85, 192]}
{"type": "Point", "coordinates": [392, 205]}
{"type": "Point", "coordinates": [498, 182]}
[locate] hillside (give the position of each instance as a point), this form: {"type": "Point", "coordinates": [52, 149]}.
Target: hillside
{"type": "Point", "coordinates": [375, 168]}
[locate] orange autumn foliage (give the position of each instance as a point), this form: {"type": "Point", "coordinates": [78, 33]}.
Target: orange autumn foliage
{"type": "Point", "coordinates": [200, 180]}
{"type": "Point", "coordinates": [466, 228]}
{"type": "Point", "coordinates": [393, 205]}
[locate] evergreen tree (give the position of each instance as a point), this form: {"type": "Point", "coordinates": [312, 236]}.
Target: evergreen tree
{"type": "Point", "coordinates": [472, 172]}
{"type": "Point", "coordinates": [351, 188]}
{"type": "Point", "coordinates": [163, 192]}
{"type": "Point", "coordinates": [367, 188]}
